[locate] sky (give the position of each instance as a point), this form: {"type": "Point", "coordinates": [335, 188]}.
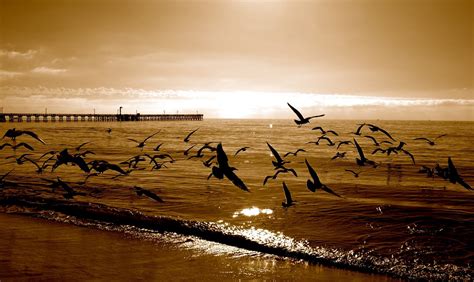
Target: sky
{"type": "Point", "coordinates": [367, 59]}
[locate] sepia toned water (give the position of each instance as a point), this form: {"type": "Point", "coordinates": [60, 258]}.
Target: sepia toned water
{"type": "Point", "coordinates": [390, 220]}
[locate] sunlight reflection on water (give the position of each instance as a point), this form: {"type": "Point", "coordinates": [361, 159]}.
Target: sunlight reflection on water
{"type": "Point", "coordinates": [253, 211]}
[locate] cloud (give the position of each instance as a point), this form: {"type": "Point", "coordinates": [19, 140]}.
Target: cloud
{"type": "Point", "coordinates": [4, 74]}
{"type": "Point", "coordinates": [28, 55]}
{"type": "Point", "coordinates": [46, 70]}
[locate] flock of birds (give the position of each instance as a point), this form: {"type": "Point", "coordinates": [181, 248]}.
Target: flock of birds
{"type": "Point", "coordinates": [218, 161]}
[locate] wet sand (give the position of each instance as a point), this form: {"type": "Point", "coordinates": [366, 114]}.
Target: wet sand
{"type": "Point", "coordinates": [32, 248]}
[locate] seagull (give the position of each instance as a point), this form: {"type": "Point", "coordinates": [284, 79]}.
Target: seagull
{"type": "Point", "coordinates": [454, 177]}
{"type": "Point", "coordinates": [140, 191]}
{"type": "Point", "coordinates": [279, 163]}
{"type": "Point", "coordinates": [301, 119]}
{"type": "Point", "coordinates": [101, 166]}
{"type": "Point", "coordinates": [20, 160]}
{"type": "Point", "coordinates": [288, 200]}
{"type": "Point", "coordinates": [339, 155]}
{"type": "Point", "coordinates": [186, 139]}
{"type": "Point", "coordinates": [281, 170]}
{"type": "Point", "coordinates": [375, 128]}
{"type": "Point", "coordinates": [324, 132]}
{"type": "Point", "coordinates": [135, 160]}
{"type": "Point", "coordinates": [65, 158]}
{"type": "Point", "coordinates": [363, 160]}
{"type": "Point", "coordinates": [340, 143]}
{"type": "Point", "coordinates": [330, 143]}
{"type": "Point", "coordinates": [109, 130]}
{"type": "Point", "coordinates": [294, 153]}
{"type": "Point", "coordinates": [157, 148]}
{"type": "Point", "coordinates": [224, 169]}
{"type": "Point", "coordinates": [208, 162]}
{"type": "Point", "coordinates": [70, 193]}
{"type": "Point", "coordinates": [356, 174]}
{"type": "Point", "coordinates": [82, 145]}
{"type": "Point", "coordinates": [39, 169]}
{"type": "Point", "coordinates": [373, 139]}
{"type": "Point", "coordinates": [13, 134]}
{"type": "Point", "coordinates": [142, 143]}
{"type": "Point", "coordinates": [316, 183]}
{"type": "Point", "coordinates": [358, 131]}
{"type": "Point", "coordinates": [243, 149]}
{"type": "Point", "coordinates": [431, 142]}
{"type": "Point", "coordinates": [14, 147]}
{"type": "Point", "coordinates": [186, 152]}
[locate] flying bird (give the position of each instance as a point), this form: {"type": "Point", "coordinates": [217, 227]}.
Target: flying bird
{"type": "Point", "coordinates": [356, 174]}
{"type": "Point", "coordinates": [340, 143]}
{"type": "Point", "coordinates": [295, 153]}
{"type": "Point", "coordinates": [208, 162]}
{"type": "Point", "coordinates": [324, 132]}
{"type": "Point", "coordinates": [13, 134]}
{"type": "Point", "coordinates": [431, 142]}
{"type": "Point", "coordinates": [301, 119]}
{"type": "Point", "coordinates": [281, 170]}
{"type": "Point", "coordinates": [65, 158]}
{"type": "Point", "coordinates": [186, 152]}
{"type": "Point", "coordinates": [279, 162]}
{"type": "Point", "coordinates": [375, 128]}
{"type": "Point", "coordinates": [288, 200]}
{"type": "Point", "coordinates": [157, 148]}
{"type": "Point", "coordinates": [223, 169]}
{"type": "Point", "coordinates": [339, 155]}
{"type": "Point", "coordinates": [142, 143]}
{"type": "Point", "coordinates": [243, 149]}
{"type": "Point", "coordinates": [186, 139]}
{"type": "Point", "coordinates": [82, 145]}
{"type": "Point", "coordinates": [70, 193]}
{"type": "Point", "coordinates": [14, 147]}
{"type": "Point", "coordinates": [362, 160]}
{"type": "Point", "coordinates": [454, 177]}
{"type": "Point", "coordinates": [140, 191]}
{"type": "Point", "coordinates": [316, 183]}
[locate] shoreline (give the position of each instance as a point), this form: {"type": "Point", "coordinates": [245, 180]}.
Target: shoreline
{"type": "Point", "coordinates": [35, 248]}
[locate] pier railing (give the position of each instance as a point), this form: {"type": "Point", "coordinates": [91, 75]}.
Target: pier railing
{"type": "Point", "coordinates": [32, 117]}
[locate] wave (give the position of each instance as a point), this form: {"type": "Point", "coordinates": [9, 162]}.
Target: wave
{"type": "Point", "coordinates": [251, 239]}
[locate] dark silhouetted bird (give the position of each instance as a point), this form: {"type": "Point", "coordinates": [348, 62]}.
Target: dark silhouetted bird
{"type": "Point", "coordinates": [288, 200]}
{"type": "Point", "coordinates": [223, 169]}
{"type": "Point", "coordinates": [141, 144]}
{"type": "Point", "coordinates": [316, 183]}
{"type": "Point", "coordinates": [356, 174]}
{"type": "Point", "coordinates": [186, 139]}
{"type": "Point", "coordinates": [362, 160]}
{"type": "Point", "coordinates": [243, 149]}
{"type": "Point", "coordinates": [324, 132]}
{"type": "Point", "coordinates": [295, 153]}
{"type": "Point", "coordinates": [140, 191]}
{"type": "Point", "coordinates": [431, 142]}
{"type": "Point", "coordinates": [301, 119]}
{"type": "Point", "coordinates": [375, 128]}
{"type": "Point", "coordinates": [279, 162]}
{"type": "Point", "coordinates": [454, 177]}
{"type": "Point", "coordinates": [13, 134]}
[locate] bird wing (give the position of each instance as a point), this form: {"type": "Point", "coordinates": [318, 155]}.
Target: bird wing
{"type": "Point", "coordinates": [442, 135]}
{"type": "Point", "coordinates": [151, 136]}
{"type": "Point", "coordinates": [5, 175]}
{"type": "Point", "coordinates": [351, 171]}
{"type": "Point", "coordinates": [333, 132]}
{"type": "Point", "coordinates": [136, 141]}
{"type": "Point", "coordinates": [5, 145]}
{"type": "Point", "coordinates": [186, 139]}
{"type": "Point", "coordinates": [152, 195]}
{"type": "Point", "coordinates": [8, 133]}
{"type": "Point", "coordinates": [371, 137]}
{"type": "Point", "coordinates": [313, 174]}
{"type": "Point", "coordinates": [81, 163]}
{"type": "Point", "coordinates": [359, 128]}
{"type": "Point", "coordinates": [318, 128]}
{"type": "Point", "coordinates": [289, 200]}
{"type": "Point", "coordinates": [235, 180]}
{"type": "Point", "coordinates": [300, 116]}
{"type": "Point", "coordinates": [452, 171]}
{"type": "Point", "coordinates": [80, 146]}
{"type": "Point", "coordinates": [315, 116]}
{"type": "Point", "coordinates": [359, 149]}
{"type": "Point", "coordinates": [409, 154]}
{"type": "Point", "coordinates": [34, 135]}
{"type": "Point", "coordinates": [33, 162]}
{"type": "Point", "coordinates": [422, 138]}
{"type": "Point", "coordinates": [275, 153]}
{"type": "Point", "coordinates": [386, 133]}
{"type": "Point", "coordinates": [464, 184]}
{"type": "Point", "coordinates": [222, 159]}
{"type": "Point", "coordinates": [116, 168]}
{"type": "Point", "coordinates": [327, 189]}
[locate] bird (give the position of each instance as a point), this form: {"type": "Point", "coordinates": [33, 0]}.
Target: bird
{"type": "Point", "coordinates": [279, 162]}
{"type": "Point", "coordinates": [281, 170]}
{"type": "Point", "coordinates": [87, 177]}
{"type": "Point", "coordinates": [82, 145]}
{"type": "Point", "coordinates": [70, 193]}
{"type": "Point", "coordinates": [109, 130]}
{"type": "Point", "coordinates": [186, 139]}
{"type": "Point", "coordinates": [431, 142]}
{"type": "Point", "coordinates": [356, 174]}
{"type": "Point", "coordinates": [243, 149]}
{"type": "Point", "coordinates": [208, 162]}
{"type": "Point", "coordinates": [140, 191]}
{"type": "Point", "coordinates": [14, 147]}
{"type": "Point", "coordinates": [301, 119]}
{"type": "Point", "coordinates": [359, 129]}
{"type": "Point", "coordinates": [375, 128]}
{"type": "Point", "coordinates": [454, 177]}
{"type": "Point", "coordinates": [142, 143]}
{"type": "Point", "coordinates": [329, 141]}
{"type": "Point", "coordinates": [339, 155]}
{"type": "Point", "coordinates": [223, 169]}
{"type": "Point", "coordinates": [363, 160]}
{"type": "Point", "coordinates": [39, 168]}
{"type": "Point", "coordinates": [186, 152]}
{"type": "Point", "coordinates": [324, 132]}
{"type": "Point", "coordinates": [316, 183]}
{"type": "Point", "coordinates": [373, 139]}
{"type": "Point", "coordinates": [65, 158]}
{"type": "Point", "coordinates": [288, 200]}
{"type": "Point", "coordinates": [346, 142]}
{"type": "Point", "coordinates": [429, 171]}
{"type": "Point", "coordinates": [13, 134]}
{"type": "Point", "coordinates": [157, 148]}
{"type": "Point", "coordinates": [135, 160]}
{"type": "Point", "coordinates": [295, 153]}
{"type": "Point", "coordinates": [101, 166]}
{"type": "Point", "coordinates": [409, 154]}
{"type": "Point", "coordinates": [20, 160]}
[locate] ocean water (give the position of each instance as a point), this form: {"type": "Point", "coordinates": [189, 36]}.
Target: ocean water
{"type": "Point", "coordinates": [390, 220]}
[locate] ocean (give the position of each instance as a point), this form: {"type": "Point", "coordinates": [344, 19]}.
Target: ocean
{"type": "Point", "coordinates": [391, 221]}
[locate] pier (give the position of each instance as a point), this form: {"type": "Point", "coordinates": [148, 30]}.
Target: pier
{"type": "Point", "coordinates": [31, 117]}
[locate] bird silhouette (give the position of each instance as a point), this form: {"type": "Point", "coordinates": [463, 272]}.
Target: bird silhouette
{"type": "Point", "coordinates": [186, 139]}
{"type": "Point", "coordinates": [279, 162]}
{"type": "Point", "coordinates": [223, 169]}
{"type": "Point", "coordinates": [288, 200]}
{"type": "Point", "coordinates": [301, 119]}
{"type": "Point", "coordinates": [243, 149]}
{"type": "Point", "coordinates": [340, 143]}
{"type": "Point", "coordinates": [454, 177]}
{"type": "Point", "coordinates": [339, 155]}
{"type": "Point", "coordinates": [295, 153]}
{"type": "Point", "coordinates": [15, 147]}
{"type": "Point", "coordinates": [375, 128]}
{"type": "Point", "coordinates": [356, 174]}
{"type": "Point", "coordinates": [430, 142]}
{"type": "Point", "coordinates": [373, 140]}
{"type": "Point", "coordinates": [141, 144]}
{"type": "Point", "coordinates": [65, 158]}
{"type": "Point", "coordinates": [275, 175]}
{"type": "Point", "coordinates": [102, 166]}
{"type": "Point", "coordinates": [208, 162]}
{"type": "Point", "coordinates": [316, 183]}
{"type": "Point", "coordinates": [140, 191]}
{"type": "Point", "coordinates": [359, 129]}
{"type": "Point", "coordinates": [362, 160]}
{"type": "Point", "coordinates": [78, 148]}
{"type": "Point", "coordinates": [13, 134]}
{"type": "Point", "coordinates": [324, 132]}
{"type": "Point", "coordinates": [70, 193]}
{"type": "Point", "coordinates": [157, 148]}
